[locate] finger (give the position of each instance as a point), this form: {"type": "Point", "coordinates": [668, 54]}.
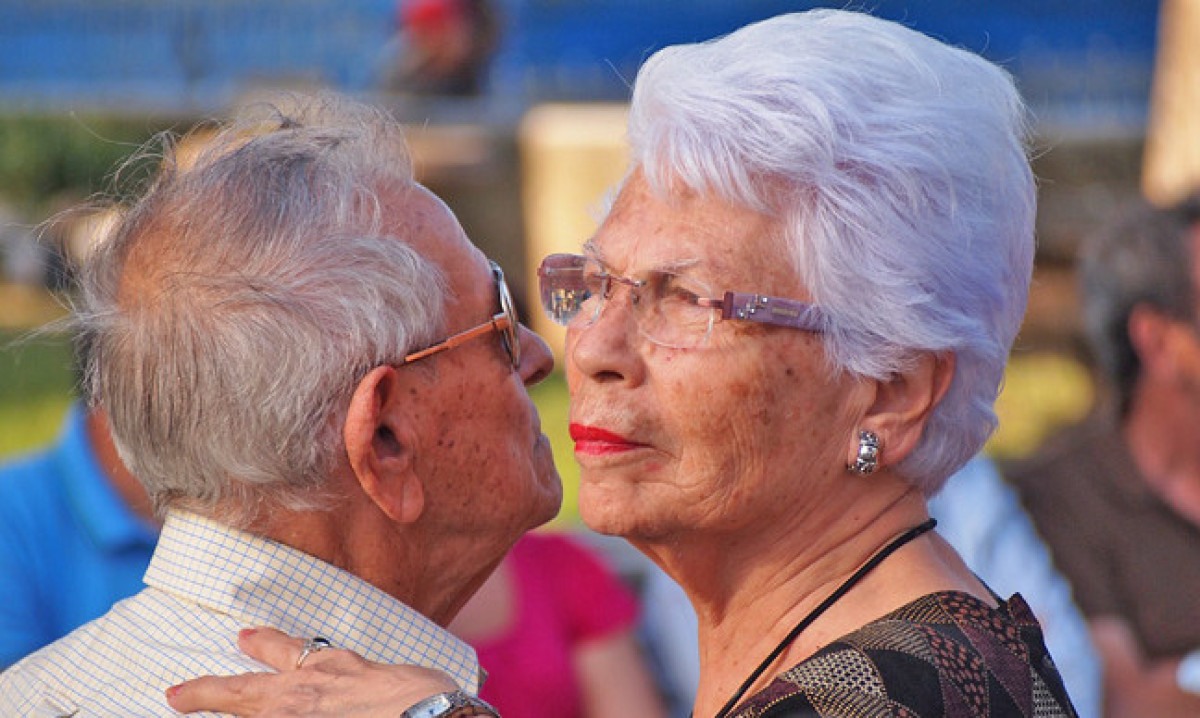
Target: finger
{"type": "Point", "coordinates": [240, 695]}
{"type": "Point", "coordinates": [272, 647]}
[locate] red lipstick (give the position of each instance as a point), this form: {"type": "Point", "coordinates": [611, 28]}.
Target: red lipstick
{"type": "Point", "coordinates": [594, 441]}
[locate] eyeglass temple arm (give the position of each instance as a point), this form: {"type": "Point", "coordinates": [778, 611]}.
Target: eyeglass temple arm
{"type": "Point", "coordinates": [498, 323]}
{"type": "Point", "coordinates": [770, 310]}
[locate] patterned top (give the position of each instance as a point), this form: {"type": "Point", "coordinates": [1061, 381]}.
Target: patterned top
{"type": "Point", "coordinates": [205, 582]}
{"type": "Point", "coordinates": [946, 654]}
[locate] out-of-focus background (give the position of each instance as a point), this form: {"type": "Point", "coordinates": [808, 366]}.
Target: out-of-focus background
{"type": "Point", "coordinates": [524, 142]}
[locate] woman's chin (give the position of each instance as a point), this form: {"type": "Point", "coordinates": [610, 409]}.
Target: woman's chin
{"type": "Point", "coordinates": [634, 521]}
{"type": "Point", "coordinates": [608, 511]}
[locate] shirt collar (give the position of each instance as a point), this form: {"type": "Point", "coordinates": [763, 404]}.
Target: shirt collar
{"type": "Point", "coordinates": [105, 516]}
{"type": "Point", "coordinates": [264, 583]}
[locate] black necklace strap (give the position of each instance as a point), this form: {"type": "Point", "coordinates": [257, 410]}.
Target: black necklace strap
{"type": "Point", "coordinates": [805, 622]}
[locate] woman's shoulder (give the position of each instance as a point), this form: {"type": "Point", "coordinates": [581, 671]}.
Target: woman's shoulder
{"type": "Point", "coordinates": [945, 654]}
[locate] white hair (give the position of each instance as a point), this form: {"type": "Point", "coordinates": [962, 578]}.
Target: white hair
{"type": "Point", "coordinates": [897, 166]}
{"type": "Point", "coordinates": [242, 297]}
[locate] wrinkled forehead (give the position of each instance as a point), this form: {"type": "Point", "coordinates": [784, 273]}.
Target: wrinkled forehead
{"type": "Point", "coordinates": [689, 232]}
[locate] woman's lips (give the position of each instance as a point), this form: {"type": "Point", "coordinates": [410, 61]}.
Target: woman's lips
{"type": "Point", "coordinates": [594, 441]}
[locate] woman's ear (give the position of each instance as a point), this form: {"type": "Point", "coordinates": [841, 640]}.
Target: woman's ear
{"type": "Point", "coordinates": [904, 402]}
{"type": "Point", "coordinates": [381, 446]}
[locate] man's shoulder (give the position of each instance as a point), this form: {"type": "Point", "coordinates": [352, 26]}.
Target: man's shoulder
{"type": "Point", "coordinates": [121, 663]}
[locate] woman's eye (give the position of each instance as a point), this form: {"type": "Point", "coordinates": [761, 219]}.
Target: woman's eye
{"type": "Point", "coordinates": [674, 288]}
{"type": "Point", "coordinates": [595, 281]}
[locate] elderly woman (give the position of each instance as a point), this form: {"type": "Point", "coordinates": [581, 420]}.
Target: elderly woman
{"type": "Point", "coordinates": [790, 329]}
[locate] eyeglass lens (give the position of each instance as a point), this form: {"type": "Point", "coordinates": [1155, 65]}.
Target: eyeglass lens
{"type": "Point", "coordinates": [668, 307]}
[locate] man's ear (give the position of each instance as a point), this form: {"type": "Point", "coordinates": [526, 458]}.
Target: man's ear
{"type": "Point", "coordinates": [1150, 334]}
{"type": "Point", "coordinates": [903, 403]}
{"type": "Point", "coordinates": [381, 445]}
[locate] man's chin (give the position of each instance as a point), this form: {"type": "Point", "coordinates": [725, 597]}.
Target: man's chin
{"type": "Point", "coordinates": [549, 502]}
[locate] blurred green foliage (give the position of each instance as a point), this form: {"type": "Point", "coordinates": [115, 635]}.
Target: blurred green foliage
{"type": "Point", "coordinates": [36, 385]}
{"type": "Point", "coordinates": [46, 159]}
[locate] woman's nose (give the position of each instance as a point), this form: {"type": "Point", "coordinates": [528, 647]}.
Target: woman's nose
{"type": "Point", "coordinates": [606, 347]}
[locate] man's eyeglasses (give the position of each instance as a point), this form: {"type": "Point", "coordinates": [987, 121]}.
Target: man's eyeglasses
{"type": "Point", "coordinates": [671, 310]}
{"type": "Point", "coordinates": [506, 323]}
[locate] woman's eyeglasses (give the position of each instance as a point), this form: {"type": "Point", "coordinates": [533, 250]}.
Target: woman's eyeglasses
{"type": "Point", "coordinates": [671, 310]}
{"type": "Point", "coordinates": [506, 323]}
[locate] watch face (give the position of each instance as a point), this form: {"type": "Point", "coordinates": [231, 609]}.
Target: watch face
{"type": "Point", "coordinates": [442, 705]}
{"type": "Point", "coordinates": [430, 707]}
{"type": "Point", "coordinates": [445, 704]}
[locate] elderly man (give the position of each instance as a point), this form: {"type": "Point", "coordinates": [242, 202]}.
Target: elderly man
{"type": "Point", "coordinates": [322, 383]}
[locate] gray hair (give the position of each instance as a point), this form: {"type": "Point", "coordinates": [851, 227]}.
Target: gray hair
{"type": "Point", "coordinates": [242, 297]}
{"type": "Point", "coordinates": [898, 167]}
{"type": "Point", "coordinates": [1144, 258]}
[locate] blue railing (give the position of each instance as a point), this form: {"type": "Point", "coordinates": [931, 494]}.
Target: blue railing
{"type": "Point", "coordinates": [1091, 59]}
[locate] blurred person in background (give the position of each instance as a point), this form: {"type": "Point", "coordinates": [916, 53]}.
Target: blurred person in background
{"type": "Point", "coordinates": [76, 534]}
{"type": "Point", "coordinates": [554, 628]}
{"type": "Point", "coordinates": [443, 47]}
{"type": "Point", "coordinates": [1117, 497]}
{"type": "Point", "coordinates": [789, 331]}
{"type": "Point", "coordinates": [76, 528]}
{"type": "Point", "coordinates": [322, 384]}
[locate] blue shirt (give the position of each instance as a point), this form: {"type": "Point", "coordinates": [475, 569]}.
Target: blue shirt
{"type": "Point", "coordinates": [69, 546]}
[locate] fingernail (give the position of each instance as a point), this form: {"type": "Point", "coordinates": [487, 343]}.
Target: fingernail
{"type": "Point", "coordinates": [172, 691]}
{"type": "Point", "coordinates": [247, 632]}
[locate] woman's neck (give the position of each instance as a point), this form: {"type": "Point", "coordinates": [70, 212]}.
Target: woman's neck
{"type": "Point", "coordinates": [748, 594]}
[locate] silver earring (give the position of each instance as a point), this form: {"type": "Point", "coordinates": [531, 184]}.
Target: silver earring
{"type": "Point", "coordinates": [868, 453]}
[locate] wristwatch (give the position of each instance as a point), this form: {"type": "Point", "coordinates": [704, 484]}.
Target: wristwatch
{"type": "Point", "coordinates": [454, 704]}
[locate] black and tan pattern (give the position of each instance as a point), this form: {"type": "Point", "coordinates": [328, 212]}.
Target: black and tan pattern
{"type": "Point", "coordinates": [945, 655]}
